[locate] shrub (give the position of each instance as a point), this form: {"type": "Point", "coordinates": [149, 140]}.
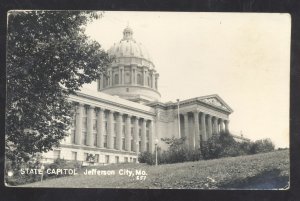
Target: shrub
{"type": "Point", "coordinates": [18, 178]}
{"type": "Point", "coordinates": [262, 146]}
{"type": "Point", "coordinates": [224, 145]}
{"type": "Point", "coordinates": [146, 157]}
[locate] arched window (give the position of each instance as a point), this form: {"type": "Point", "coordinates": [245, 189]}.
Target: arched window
{"type": "Point", "coordinates": [127, 78]}
{"type": "Point", "coordinates": [139, 79]}
{"type": "Point", "coordinates": [116, 79]}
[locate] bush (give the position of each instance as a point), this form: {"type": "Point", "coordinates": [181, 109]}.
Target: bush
{"type": "Point", "coordinates": [18, 178]}
{"type": "Point", "coordinates": [146, 157]}
{"type": "Point", "coordinates": [262, 146]}
{"type": "Point", "coordinates": [224, 145]}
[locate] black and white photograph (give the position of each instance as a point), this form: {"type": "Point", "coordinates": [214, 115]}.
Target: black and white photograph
{"type": "Point", "coordinates": [147, 100]}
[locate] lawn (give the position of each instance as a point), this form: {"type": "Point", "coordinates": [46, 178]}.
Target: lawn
{"type": "Point", "coordinates": [260, 171]}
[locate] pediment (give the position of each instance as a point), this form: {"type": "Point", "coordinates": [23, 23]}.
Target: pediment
{"type": "Point", "coordinates": [216, 101]}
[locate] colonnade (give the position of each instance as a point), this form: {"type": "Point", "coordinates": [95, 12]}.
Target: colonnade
{"type": "Point", "coordinates": [103, 128]}
{"type": "Point", "coordinates": [200, 126]}
{"type": "Point", "coordinates": [132, 76]}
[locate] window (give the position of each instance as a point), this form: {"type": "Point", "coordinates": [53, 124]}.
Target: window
{"type": "Point", "coordinates": [127, 78]}
{"type": "Point", "coordinates": [106, 158]}
{"type": "Point", "coordinates": [139, 79]}
{"type": "Point", "coordinates": [105, 141]}
{"type": "Point", "coordinates": [115, 128]}
{"type": "Point", "coordinates": [97, 158]}
{"type": "Point", "coordinates": [115, 142]}
{"type": "Point", "coordinates": [73, 136]}
{"type": "Point", "coordinates": [126, 159]}
{"type": "Point", "coordinates": [123, 130]}
{"type": "Point", "coordinates": [56, 154]}
{"type": "Point", "coordinates": [132, 145]}
{"type": "Point", "coordinates": [94, 124]}
{"type": "Point", "coordinates": [147, 134]}
{"type": "Point", "coordinates": [106, 127]}
{"type": "Point", "coordinates": [117, 159]}
{"type": "Point", "coordinates": [148, 148]}
{"type": "Point", "coordinates": [74, 156]}
{"type": "Point", "coordinates": [73, 122]}
{"type": "Point", "coordinates": [116, 79]}
{"type": "Point", "coordinates": [134, 160]}
{"type": "Point", "coordinates": [84, 138]}
{"type": "Point", "coordinates": [131, 131]}
{"type": "Point", "coordinates": [85, 156]}
{"type": "Point", "coordinates": [140, 146]}
{"type": "Point", "coordinates": [123, 143]}
{"type": "Point", "coordinates": [84, 123]}
{"type": "Point", "coordinates": [95, 139]}
{"type": "Point", "coordinates": [148, 78]}
{"type": "Point", "coordinates": [99, 84]}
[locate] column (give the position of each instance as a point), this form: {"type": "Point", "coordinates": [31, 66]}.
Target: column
{"type": "Point", "coordinates": [221, 125]}
{"type": "Point", "coordinates": [144, 77]}
{"type": "Point", "coordinates": [122, 75]}
{"type": "Point", "coordinates": [109, 83]}
{"type": "Point", "coordinates": [151, 137]}
{"type": "Point", "coordinates": [90, 117]}
{"type": "Point", "coordinates": [143, 136]}
{"type": "Point", "coordinates": [186, 128]}
{"type": "Point", "coordinates": [128, 133]}
{"type": "Point", "coordinates": [203, 127]}
{"type": "Point", "coordinates": [215, 126]}
{"type": "Point", "coordinates": [119, 131]}
{"type": "Point", "coordinates": [134, 74]}
{"type": "Point", "coordinates": [102, 81]}
{"type": "Point", "coordinates": [156, 81]}
{"type": "Point", "coordinates": [100, 127]}
{"type": "Point", "coordinates": [136, 135]}
{"type": "Point", "coordinates": [227, 126]}
{"type": "Point", "coordinates": [209, 124]}
{"type": "Point", "coordinates": [78, 131]}
{"type": "Point", "coordinates": [153, 80]}
{"type": "Point", "coordinates": [110, 127]}
{"type": "Point", "coordinates": [196, 130]}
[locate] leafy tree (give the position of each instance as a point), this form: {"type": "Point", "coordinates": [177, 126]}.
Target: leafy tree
{"type": "Point", "coordinates": [49, 57]}
{"type": "Point", "coordinates": [221, 145]}
{"type": "Point", "coordinates": [262, 146]}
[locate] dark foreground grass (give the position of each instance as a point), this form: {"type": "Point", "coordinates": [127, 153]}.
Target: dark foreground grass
{"type": "Point", "coordinates": [260, 171]}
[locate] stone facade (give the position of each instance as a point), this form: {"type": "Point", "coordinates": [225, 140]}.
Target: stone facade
{"type": "Point", "coordinates": [125, 116]}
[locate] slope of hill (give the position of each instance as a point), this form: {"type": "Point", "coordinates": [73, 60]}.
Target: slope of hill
{"type": "Point", "coordinates": [260, 171]}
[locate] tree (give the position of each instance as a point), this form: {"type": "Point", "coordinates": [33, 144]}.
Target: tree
{"type": "Point", "coordinates": [221, 145]}
{"type": "Point", "coordinates": [49, 57]}
{"type": "Point", "coordinates": [262, 146]}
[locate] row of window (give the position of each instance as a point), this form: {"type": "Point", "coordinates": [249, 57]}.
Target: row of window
{"type": "Point", "coordinates": [105, 145]}
{"type": "Point", "coordinates": [93, 157]}
{"type": "Point", "coordinates": [128, 79]}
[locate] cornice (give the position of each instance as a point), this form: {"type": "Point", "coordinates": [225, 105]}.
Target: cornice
{"type": "Point", "coordinates": [126, 85]}
{"type": "Point", "coordinates": [88, 148]}
{"type": "Point", "coordinates": [127, 107]}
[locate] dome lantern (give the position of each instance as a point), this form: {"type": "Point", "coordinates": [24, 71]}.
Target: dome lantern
{"type": "Point", "coordinates": [127, 33]}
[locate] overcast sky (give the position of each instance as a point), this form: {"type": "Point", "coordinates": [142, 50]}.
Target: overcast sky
{"type": "Point", "coordinates": [242, 57]}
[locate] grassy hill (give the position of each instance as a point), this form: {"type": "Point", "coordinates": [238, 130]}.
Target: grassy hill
{"type": "Point", "coordinates": [260, 171]}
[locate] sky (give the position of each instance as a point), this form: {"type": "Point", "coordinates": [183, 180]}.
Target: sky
{"type": "Point", "coordinates": [242, 57]}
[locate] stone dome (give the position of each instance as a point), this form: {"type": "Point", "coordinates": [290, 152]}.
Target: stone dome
{"type": "Point", "coordinates": [129, 51]}
{"type": "Point", "coordinates": [131, 75]}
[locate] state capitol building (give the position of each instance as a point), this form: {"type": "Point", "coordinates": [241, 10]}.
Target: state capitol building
{"type": "Point", "coordinates": [125, 116]}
